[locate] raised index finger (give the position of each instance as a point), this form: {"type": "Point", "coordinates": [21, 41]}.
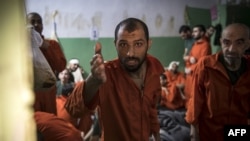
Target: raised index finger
{"type": "Point", "coordinates": [98, 48]}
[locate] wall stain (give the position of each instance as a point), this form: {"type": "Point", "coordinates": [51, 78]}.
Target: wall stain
{"type": "Point", "coordinates": [97, 20]}
{"type": "Point", "coordinates": [158, 21]}
{"type": "Point", "coordinates": [171, 24]}
{"type": "Point", "coordinates": [78, 22]}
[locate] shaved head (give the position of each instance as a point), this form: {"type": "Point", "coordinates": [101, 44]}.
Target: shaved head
{"type": "Point", "coordinates": [236, 27]}
{"type": "Point", "coordinates": [234, 42]}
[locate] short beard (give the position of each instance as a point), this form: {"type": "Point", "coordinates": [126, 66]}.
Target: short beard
{"type": "Point", "coordinates": [197, 38]}
{"type": "Point", "coordinates": [134, 69]}
{"type": "Point", "coordinates": [232, 64]}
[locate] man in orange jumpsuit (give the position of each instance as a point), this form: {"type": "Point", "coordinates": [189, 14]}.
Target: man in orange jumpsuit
{"type": "Point", "coordinates": [200, 49]}
{"type": "Point", "coordinates": [83, 122]}
{"type": "Point", "coordinates": [50, 126]}
{"type": "Point", "coordinates": [186, 34]}
{"type": "Point", "coordinates": [64, 89]}
{"type": "Point", "coordinates": [164, 90]}
{"type": "Point", "coordinates": [126, 89]}
{"type": "Point", "coordinates": [175, 98]}
{"type": "Point", "coordinates": [172, 110]}
{"type": "Point", "coordinates": [209, 32]}
{"type": "Point", "coordinates": [220, 88]}
{"type": "Point", "coordinates": [45, 101]}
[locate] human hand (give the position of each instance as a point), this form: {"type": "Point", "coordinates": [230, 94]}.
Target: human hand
{"type": "Point", "coordinates": [187, 70]}
{"type": "Point", "coordinates": [97, 65]}
{"type": "Point", "coordinates": [192, 60]}
{"type": "Point", "coordinates": [185, 58]}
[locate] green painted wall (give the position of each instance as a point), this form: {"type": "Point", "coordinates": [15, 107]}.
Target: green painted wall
{"type": "Point", "coordinates": [227, 15]}
{"type": "Point", "coordinates": [197, 16]}
{"type": "Point", "coordinates": [203, 16]}
{"type": "Point", "coordinates": [166, 49]}
{"type": "Point", "coordinates": [221, 19]}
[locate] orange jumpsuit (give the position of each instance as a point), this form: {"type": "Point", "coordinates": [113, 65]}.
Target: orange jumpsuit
{"type": "Point", "coordinates": [175, 78]}
{"type": "Point", "coordinates": [85, 120]}
{"type": "Point", "coordinates": [127, 112]}
{"type": "Point", "coordinates": [56, 129]}
{"type": "Point", "coordinates": [54, 56]}
{"type": "Point", "coordinates": [173, 100]}
{"type": "Point", "coordinates": [45, 100]}
{"type": "Point", "coordinates": [62, 112]}
{"type": "Point", "coordinates": [50, 126]}
{"type": "Point", "coordinates": [216, 102]}
{"type": "Point", "coordinates": [199, 50]}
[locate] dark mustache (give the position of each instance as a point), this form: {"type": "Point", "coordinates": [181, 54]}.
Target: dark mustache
{"type": "Point", "coordinates": [231, 54]}
{"type": "Point", "coordinates": [131, 58]}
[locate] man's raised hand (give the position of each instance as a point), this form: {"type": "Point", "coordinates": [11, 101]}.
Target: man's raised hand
{"type": "Point", "coordinates": [97, 64]}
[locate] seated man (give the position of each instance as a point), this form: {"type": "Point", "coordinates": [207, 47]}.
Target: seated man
{"type": "Point", "coordinates": [64, 84]}
{"type": "Point", "coordinates": [171, 113]}
{"type": "Point", "coordinates": [174, 98]}
{"type": "Point", "coordinates": [75, 70]}
{"type": "Point", "coordinates": [64, 89]}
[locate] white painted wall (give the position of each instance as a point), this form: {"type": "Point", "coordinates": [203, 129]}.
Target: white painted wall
{"type": "Point", "coordinates": [76, 17]}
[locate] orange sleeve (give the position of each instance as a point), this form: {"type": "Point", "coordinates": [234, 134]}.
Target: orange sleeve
{"type": "Point", "coordinates": [205, 50]}
{"type": "Point", "coordinates": [201, 51]}
{"type": "Point", "coordinates": [54, 128]}
{"type": "Point", "coordinates": [62, 112]}
{"type": "Point", "coordinates": [197, 99]}
{"type": "Point", "coordinates": [55, 56]}
{"type": "Point", "coordinates": [75, 102]}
